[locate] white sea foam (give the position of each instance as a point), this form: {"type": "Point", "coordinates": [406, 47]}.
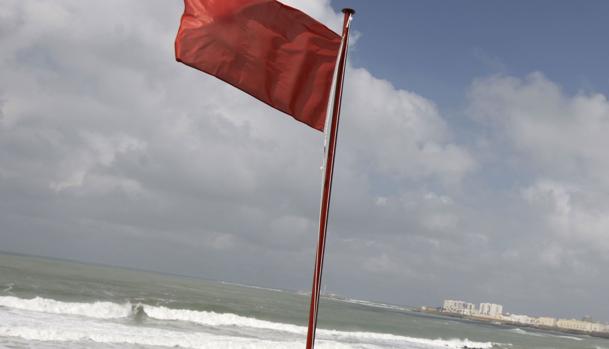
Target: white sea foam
{"type": "Point", "coordinates": [138, 335]}
{"type": "Point", "coordinates": [251, 286]}
{"type": "Point", "coordinates": [99, 310]}
{"type": "Point", "coordinates": [210, 318]}
{"type": "Point", "coordinates": [539, 334]}
{"type": "Point", "coordinates": [63, 329]}
{"type": "Point", "coordinates": [571, 337]}
{"type": "Point", "coordinates": [370, 304]}
{"type": "Point", "coordinates": [215, 319]}
{"type": "Point", "coordinates": [521, 331]}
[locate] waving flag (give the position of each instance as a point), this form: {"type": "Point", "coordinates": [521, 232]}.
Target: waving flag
{"type": "Point", "coordinates": [282, 57]}
{"type": "Point", "coordinates": [273, 52]}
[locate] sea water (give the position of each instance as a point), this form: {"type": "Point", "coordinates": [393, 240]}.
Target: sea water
{"type": "Point", "coordinates": [48, 303]}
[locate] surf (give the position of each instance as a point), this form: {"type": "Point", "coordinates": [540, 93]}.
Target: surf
{"type": "Point", "coordinates": [286, 334]}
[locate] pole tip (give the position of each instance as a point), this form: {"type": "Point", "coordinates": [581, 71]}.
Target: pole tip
{"type": "Point", "coordinates": [349, 11]}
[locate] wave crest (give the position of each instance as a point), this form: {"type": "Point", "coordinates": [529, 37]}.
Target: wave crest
{"type": "Point", "coordinates": [98, 310]}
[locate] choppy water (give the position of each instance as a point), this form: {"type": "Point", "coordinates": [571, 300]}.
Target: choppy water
{"type": "Point", "coordinates": [56, 304]}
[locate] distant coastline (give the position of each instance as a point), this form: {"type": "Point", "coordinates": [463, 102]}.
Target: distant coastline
{"type": "Point", "coordinates": [503, 322]}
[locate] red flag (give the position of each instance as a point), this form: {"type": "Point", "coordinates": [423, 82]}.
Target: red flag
{"type": "Point", "coordinates": [271, 51]}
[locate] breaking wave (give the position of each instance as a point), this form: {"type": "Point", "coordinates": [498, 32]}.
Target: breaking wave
{"type": "Point", "coordinates": [120, 334]}
{"type": "Point", "coordinates": [571, 337]}
{"type": "Point", "coordinates": [539, 334]}
{"type": "Point", "coordinates": [138, 335]}
{"type": "Point", "coordinates": [98, 310]}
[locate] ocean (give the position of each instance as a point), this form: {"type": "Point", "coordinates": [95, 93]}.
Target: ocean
{"type": "Point", "coordinates": [47, 303]}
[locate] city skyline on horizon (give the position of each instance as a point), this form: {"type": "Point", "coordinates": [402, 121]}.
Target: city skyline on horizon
{"type": "Point", "coordinates": [575, 317]}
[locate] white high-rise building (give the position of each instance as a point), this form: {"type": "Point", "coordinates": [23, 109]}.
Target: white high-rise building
{"type": "Point", "coordinates": [459, 307]}
{"type": "Point", "coordinates": [491, 310]}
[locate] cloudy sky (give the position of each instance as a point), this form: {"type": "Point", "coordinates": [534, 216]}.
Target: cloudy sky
{"type": "Point", "coordinates": [472, 158]}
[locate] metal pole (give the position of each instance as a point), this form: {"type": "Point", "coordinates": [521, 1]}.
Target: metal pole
{"type": "Point", "coordinates": [327, 180]}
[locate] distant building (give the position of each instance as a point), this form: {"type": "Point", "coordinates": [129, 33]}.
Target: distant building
{"type": "Point", "coordinates": [573, 324]}
{"type": "Point", "coordinates": [459, 307]}
{"type": "Point", "coordinates": [545, 321]}
{"type": "Point", "coordinates": [490, 310]}
{"type": "Point", "coordinates": [598, 327]}
{"type": "Point", "coordinates": [521, 319]}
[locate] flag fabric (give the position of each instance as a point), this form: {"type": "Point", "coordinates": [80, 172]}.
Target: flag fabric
{"type": "Point", "coordinates": [269, 50]}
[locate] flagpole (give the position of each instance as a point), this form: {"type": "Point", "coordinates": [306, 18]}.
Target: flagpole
{"type": "Point", "coordinates": [327, 179]}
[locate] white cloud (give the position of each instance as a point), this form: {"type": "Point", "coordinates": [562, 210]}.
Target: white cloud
{"type": "Point", "coordinates": [558, 144]}
{"type": "Point", "coordinates": [560, 135]}
{"type": "Point", "coordinates": [399, 133]}
{"type": "Point", "coordinates": [573, 215]}
{"type": "Point", "coordinates": [320, 10]}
